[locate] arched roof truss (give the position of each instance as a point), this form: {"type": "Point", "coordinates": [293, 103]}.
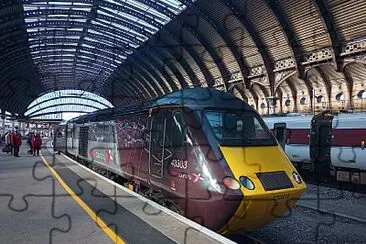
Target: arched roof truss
{"type": "Point", "coordinates": [66, 101]}
{"type": "Point", "coordinates": [128, 50]}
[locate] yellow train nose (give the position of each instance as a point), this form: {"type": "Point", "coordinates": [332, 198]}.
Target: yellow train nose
{"type": "Point", "coordinates": [259, 210]}
{"type": "Point", "coordinates": [269, 183]}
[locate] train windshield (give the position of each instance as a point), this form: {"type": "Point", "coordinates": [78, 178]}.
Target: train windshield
{"type": "Point", "coordinates": [239, 128]}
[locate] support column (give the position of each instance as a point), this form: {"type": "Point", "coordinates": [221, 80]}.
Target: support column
{"type": "Point", "coordinates": [21, 128]}
{"type": "Point", "coordinates": [13, 122]}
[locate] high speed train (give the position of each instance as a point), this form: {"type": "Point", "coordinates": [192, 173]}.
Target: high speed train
{"type": "Point", "coordinates": [332, 143]}
{"type": "Point", "coordinates": [202, 152]}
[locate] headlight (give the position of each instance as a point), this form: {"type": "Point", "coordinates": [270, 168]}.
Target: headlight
{"type": "Point", "coordinates": [231, 183]}
{"type": "Point", "coordinates": [246, 182]}
{"type": "Point", "coordinates": [297, 177]}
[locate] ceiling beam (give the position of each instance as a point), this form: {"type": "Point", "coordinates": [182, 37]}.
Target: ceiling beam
{"type": "Point", "coordinates": [331, 29]}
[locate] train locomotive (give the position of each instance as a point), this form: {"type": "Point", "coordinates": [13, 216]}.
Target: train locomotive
{"type": "Point", "coordinates": [333, 144]}
{"type": "Point", "coordinates": [203, 153]}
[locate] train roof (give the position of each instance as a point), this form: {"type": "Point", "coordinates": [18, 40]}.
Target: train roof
{"type": "Point", "coordinates": [203, 98]}
{"type": "Point", "coordinates": [193, 98]}
{"type": "Point", "coordinates": [291, 122]}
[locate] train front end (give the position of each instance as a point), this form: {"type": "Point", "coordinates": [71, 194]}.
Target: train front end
{"type": "Point", "coordinates": [259, 170]}
{"type": "Point", "coordinates": [269, 183]}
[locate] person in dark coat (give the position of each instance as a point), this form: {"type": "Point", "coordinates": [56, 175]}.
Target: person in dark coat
{"type": "Point", "coordinates": [16, 141]}
{"type": "Point", "coordinates": [29, 141]}
{"type": "Point", "coordinates": [36, 143]}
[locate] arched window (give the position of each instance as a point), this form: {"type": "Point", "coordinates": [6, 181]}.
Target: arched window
{"type": "Point", "coordinates": [303, 101]}
{"type": "Point", "coordinates": [319, 99]}
{"type": "Point", "coordinates": [340, 97]}
{"type": "Point", "coordinates": [62, 102]}
{"type": "Point", "coordinates": [361, 94]}
{"type": "Point", "coordinates": [288, 103]}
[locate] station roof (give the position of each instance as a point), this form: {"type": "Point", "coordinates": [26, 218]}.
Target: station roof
{"type": "Point", "coordinates": [127, 50]}
{"type": "Point", "coordinates": [66, 101]}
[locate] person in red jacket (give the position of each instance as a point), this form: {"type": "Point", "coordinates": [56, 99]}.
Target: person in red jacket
{"type": "Point", "coordinates": [16, 142]}
{"type": "Point", "coordinates": [36, 143]}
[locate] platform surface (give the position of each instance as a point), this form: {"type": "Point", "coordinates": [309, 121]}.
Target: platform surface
{"type": "Point", "coordinates": [37, 208]}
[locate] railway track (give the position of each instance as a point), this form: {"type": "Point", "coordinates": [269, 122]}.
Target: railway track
{"type": "Point", "coordinates": [245, 239]}
{"type": "Point", "coordinates": [330, 199]}
{"type": "Point", "coordinates": [332, 213]}
{"type": "Point", "coordinates": [329, 181]}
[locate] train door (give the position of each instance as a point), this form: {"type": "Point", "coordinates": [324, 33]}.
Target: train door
{"type": "Point", "coordinates": [280, 133]}
{"type": "Point", "coordinates": [69, 136]}
{"type": "Point", "coordinates": [157, 141]}
{"type": "Point", "coordinates": [72, 137]}
{"type": "Point", "coordinates": [83, 141]}
{"type": "Point", "coordinates": [59, 140]}
{"type": "Point", "coordinates": [320, 142]}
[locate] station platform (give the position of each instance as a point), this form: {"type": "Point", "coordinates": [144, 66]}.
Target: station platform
{"type": "Point", "coordinates": [52, 199]}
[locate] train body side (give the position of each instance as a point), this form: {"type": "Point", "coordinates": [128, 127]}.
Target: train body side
{"type": "Point", "coordinates": [348, 136]}
{"type": "Point", "coordinates": [95, 143]}
{"type": "Point", "coordinates": [294, 137]}
{"type": "Point", "coordinates": [171, 149]}
{"type": "Point", "coordinates": [123, 147]}
{"type": "Point", "coordinates": [59, 138]}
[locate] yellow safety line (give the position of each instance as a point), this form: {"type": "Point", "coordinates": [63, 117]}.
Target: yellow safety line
{"type": "Point", "coordinates": [113, 235]}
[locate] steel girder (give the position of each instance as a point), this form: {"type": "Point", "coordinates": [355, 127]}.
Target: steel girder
{"type": "Point", "coordinates": [297, 51]}
{"type": "Point", "coordinates": [267, 61]}
{"type": "Point", "coordinates": [327, 83]}
{"type": "Point", "coordinates": [233, 47]}
{"type": "Point", "coordinates": [333, 37]}
{"type": "Point", "coordinates": [55, 98]}
{"type": "Point", "coordinates": [59, 105]}
{"type": "Point", "coordinates": [97, 47]}
{"type": "Point", "coordinates": [146, 75]}
{"type": "Point", "coordinates": [225, 73]}
{"type": "Point", "coordinates": [204, 69]}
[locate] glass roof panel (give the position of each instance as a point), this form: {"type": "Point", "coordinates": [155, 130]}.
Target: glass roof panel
{"type": "Point", "coordinates": [70, 33]}
{"type": "Point", "coordinates": [63, 97]}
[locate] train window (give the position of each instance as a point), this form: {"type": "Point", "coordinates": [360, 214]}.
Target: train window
{"type": "Point", "coordinates": [239, 128]}
{"type": "Point", "coordinates": [60, 133]}
{"type": "Point", "coordinates": [259, 131]}
{"type": "Point", "coordinates": [101, 132]}
{"type": "Point", "coordinates": [175, 131]}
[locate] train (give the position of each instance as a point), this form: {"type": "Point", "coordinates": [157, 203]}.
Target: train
{"type": "Point", "coordinates": [330, 143]}
{"type": "Point", "coordinates": [204, 153]}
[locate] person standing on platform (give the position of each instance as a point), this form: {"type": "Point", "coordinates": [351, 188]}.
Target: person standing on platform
{"type": "Point", "coordinates": [29, 141]}
{"type": "Point", "coordinates": [8, 143]}
{"type": "Point", "coordinates": [16, 139]}
{"type": "Point", "coordinates": [36, 144]}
